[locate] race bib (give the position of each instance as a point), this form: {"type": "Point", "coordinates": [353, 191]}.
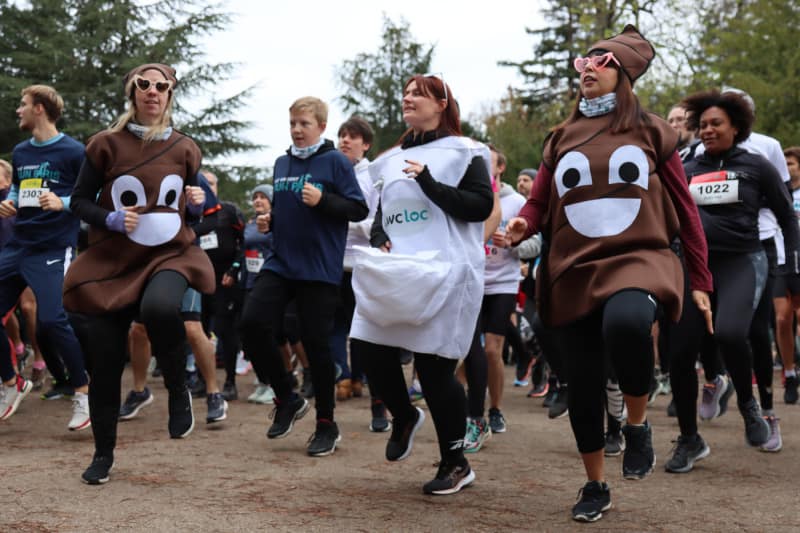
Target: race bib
{"type": "Point", "coordinates": [715, 188]}
{"type": "Point", "coordinates": [253, 261]}
{"type": "Point", "coordinates": [209, 241]}
{"type": "Point", "coordinates": [29, 192]}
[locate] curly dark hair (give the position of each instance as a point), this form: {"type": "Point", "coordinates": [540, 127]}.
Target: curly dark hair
{"type": "Point", "coordinates": [735, 106]}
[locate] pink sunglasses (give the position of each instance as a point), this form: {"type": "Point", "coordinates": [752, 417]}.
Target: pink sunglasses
{"type": "Point", "coordinates": [597, 62]}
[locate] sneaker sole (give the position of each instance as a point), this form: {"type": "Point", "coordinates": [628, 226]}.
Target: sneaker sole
{"type": "Point", "coordinates": [80, 427]}
{"type": "Point", "coordinates": [384, 430]}
{"type": "Point", "coordinates": [101, 481]}
{"type": "Point", "coordinates": [138, 408]}
{"type": "Point", "coordinates": [191, 426]}
{"type": "Point", "coordinates": [327, 452]}
{"type": "Point", "coordinates": [210, 420]}
{"type": "Point", "coordinates": [562, 415]}
{"type": "Point", "coordinates": [466, 481]}
{"type": "Point", "coordinates": [418, 425]}
{"type": "Point", "coordinates": [688, 468]}
{"type": "Point", "coordinates": [632, 476]}
{"type": "Point", "coordinates": [297, 416]}
{"type": "Point", "coordinates": [591, 518]}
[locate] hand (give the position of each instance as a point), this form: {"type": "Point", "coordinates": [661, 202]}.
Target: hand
{"type": "Point", "coordinates": [703, 303]}
{"type": "Point", "coordinates": [7, 209]}
{"type": "Point", "coordinates": [311, 195]}
{"type": "Point", "coordinates": [500, 239]}
{"type": "Point", "coordinates": [523, 269]}
{"type": "Point", "coordinates": [413, 169]}
{"type": "Point", "coordinates": [194, 195]}
{"type": "Point", "coordinates": [516, 229]}
{"type": "Point", "coordinates": [386, 247]}
{"type": "Point", "coordinates": [131, 219]}
{"type": "Point", "coordinates": [51, 202]}
{"type": "Point", "coordinates": [262, 222]}
{"type": "Point", "coordinates": [227, 280]}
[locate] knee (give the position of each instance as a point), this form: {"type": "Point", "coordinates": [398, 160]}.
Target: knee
{"type": "Point", "coordinates": [627, 326]}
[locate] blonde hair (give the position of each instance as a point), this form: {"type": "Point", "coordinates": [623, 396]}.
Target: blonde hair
{"type": "Point", "coordinates": [6, 166]}
{"type": "Point", "coordinates": [313, 104]}
{"type": "Point", "coordinates": [154, 132]}
{"type": "Point", "coordinates": [49, 99]}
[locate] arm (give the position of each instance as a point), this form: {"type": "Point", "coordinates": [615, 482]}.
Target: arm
{"type": "Point", "coordinates": [529, 219]}
{"type": "Point", "coordinates": [692, 237]}
{"type": "Point", "coordinates": [495, 217]}
{"type": "Point", "coordinates": [338, 206]}
{"type": "Point", "coordinates": [471, 201]}
{"type": "Point", "coordinates": [378, 237]}
{"type": "Point", "coordinates": [84, 196]}
{"type": "Point", "coordinates": [529, 248]}
{"type": "Point", "coordinates": [779, 200]}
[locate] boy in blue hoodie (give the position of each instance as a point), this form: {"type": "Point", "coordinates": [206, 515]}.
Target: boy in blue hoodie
{"type": "Point", "coordinates": [315, 196]}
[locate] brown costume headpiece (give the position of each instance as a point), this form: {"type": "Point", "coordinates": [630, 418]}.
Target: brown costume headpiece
{"type": "Point", "coordinates": [631, 49]}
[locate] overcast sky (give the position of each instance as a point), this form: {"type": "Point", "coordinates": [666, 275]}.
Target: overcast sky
{"type": "Point", "coordinates": [291, 49]}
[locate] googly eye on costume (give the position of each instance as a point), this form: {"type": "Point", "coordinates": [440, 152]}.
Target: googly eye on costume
{"type": "Point", "coordinates": [170, 193]}
{"type": "Point", "coordinates": [572, 171]}
{"type": "Point", "coordinates": [128, 191]}
{"type": "Point", "coordinates": [628, 164]}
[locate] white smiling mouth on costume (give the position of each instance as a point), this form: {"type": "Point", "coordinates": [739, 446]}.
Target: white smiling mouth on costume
{"type": "Point", "coordinates": [604, 217]}
{"type": "Point", "coordinates": [156, 228]}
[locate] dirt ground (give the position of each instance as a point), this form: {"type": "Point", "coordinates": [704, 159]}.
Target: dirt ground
{"type": "Point", "coordinates": [229, 477]}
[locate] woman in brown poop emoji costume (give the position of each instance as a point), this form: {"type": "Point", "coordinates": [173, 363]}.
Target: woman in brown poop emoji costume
{"type": "Point", "coordinates": [136, 184]}
{"type": "Point", "coordinates": [610, 197]}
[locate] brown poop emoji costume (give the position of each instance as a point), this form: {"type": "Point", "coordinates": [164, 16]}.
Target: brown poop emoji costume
{"type": "Point", "coordinates": [610, 219]}
{"type": "Point", "coordinates": [150, 176]}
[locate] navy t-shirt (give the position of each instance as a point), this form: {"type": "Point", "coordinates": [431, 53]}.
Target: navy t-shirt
{"type": "Point", "coordinates": [308, 244]}
{"type": "Point", "coordinates": [52, 165]}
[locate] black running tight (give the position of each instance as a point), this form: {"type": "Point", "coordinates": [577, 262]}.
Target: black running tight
{"type": "Point", "coordinates": [443, 393]}
{"type": "Point", "coordinates": [621, 330]}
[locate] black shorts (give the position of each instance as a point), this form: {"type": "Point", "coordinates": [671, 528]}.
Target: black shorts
{"type": "Point", "coordinates": [496, 312]}
{"type": "Point", "coordinates": [786, 285]}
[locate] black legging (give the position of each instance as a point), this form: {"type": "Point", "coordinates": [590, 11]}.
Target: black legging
{"type": "Point", "coordinates": [621, 330]}
{"type": "Point", "coordinates": [760, 342]}
{"type": "Point", "coordinates": [476, 369]}
{"type": "Point", "coordinates": [443, 393]}
{"type": "Point", "coordinates": [219, 314]}
{"type": "Point", "coordinates": [262, 319]}
{"type": "Point", "coordinates": [106, 346]}
{"type": "Point", "coordinates": [739, 280]}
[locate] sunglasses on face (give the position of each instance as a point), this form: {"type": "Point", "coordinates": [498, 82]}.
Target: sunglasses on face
{"type": "Point", "coordinates": [598, 62]}
{"type": "Point", "coordinates": [143, 84]}
{"type": "Point", "coordinates": [439, 76]}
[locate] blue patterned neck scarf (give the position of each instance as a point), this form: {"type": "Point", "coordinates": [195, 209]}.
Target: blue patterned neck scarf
{"type": "Point", "coordinates": [140, 131]}
{"type": "Point", "coordinates": [308, 151]}
{"type": "Point", "coordinates": [594, 107]}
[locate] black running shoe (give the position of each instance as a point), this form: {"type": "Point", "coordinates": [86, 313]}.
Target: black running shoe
{"type": "Point", "coordinates": [497, 421]}
{"type": "Point", "coordinates": [402, 439]}
{"type": "Point", "coordinates": [379, 423]}
{"type": "Point", "coordinates": [559, 407]}
{"type": "Point", "coordinates": [196, 384]}
{"type": "Point", "coordinates": [98, 471]}
{"type": "Point", "coordinates": [615, 443]}
{"type": "Point", "coordinates": [307, 388]}
{"type": "Point", "coordinates": [552, 392]}
{"type": "Point", "coordinates": [229, 391]}
{"type": "Point", "coordinates": [639, 458]}
{"type": "Point", "coordinates": [284, 415]}
{"type": "Point", "coordinates": [449, 479]}
{"type": "Point", "coordinates": [593, 499]}
{"type": "Point", "coordinates": [323, 440]}
{"type": "Point", "coordinates": [687, 451]}
{"type": "Point", "coordinates": [134, 403]}
{"type": "Point", "coordinates": [756, 429]}
{"type": "Point", "coordinates": [217, 407]}
{"type": "Point", "coordinates": [58, 391]}
{"type": "Point", "coordinates": [181, 417]}
{"type": "Point", "coordinates": [790, 390]}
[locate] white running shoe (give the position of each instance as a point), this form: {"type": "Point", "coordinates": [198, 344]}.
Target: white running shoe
{"type": "Point", "coordinates": [12, 396]}
{"type": "Point", "coordinates": [243, 366]}
{"type": "Point", "coordinates": [80, 412]}
{"type": "Point", "coordinates": [263, 395]}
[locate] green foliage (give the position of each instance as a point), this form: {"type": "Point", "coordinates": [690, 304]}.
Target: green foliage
{"type": "Point", "coordinates": [373, 82]}
{"type": "Point", "coordinates": [84, 47]}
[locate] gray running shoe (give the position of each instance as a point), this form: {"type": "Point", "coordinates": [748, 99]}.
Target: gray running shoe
{"type": "Point", "coordinates": [686, 452]}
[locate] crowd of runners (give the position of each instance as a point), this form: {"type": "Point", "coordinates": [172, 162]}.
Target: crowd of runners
{"type": "Point", "coordinates": [643, 255]}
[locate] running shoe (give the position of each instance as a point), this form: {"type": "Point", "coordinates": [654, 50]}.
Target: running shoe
{"type": "Point", "coordinates": [449, 479]}
{"type": "Point", "coordinates": [790, 390]}
{"type": "Point", "coordinates": [263, 394]}
{"type": "Point", "coordinates": [134, 403]}
{"type": "Point", "coordinates": [379, 422]}
{"type": "Point", "coordinates": [284, 415]}
{"type": "Point", "coordinates": [559, 407]}
{"type": "Point", "coordinates": [756, 429]}
{"type": "Point", "coordinates": [323, 440]}
{"type": "Point", "coordinates": [497, 421]}
{"type": "Point", "coordinates": [478, 432]}
{"type": "Point", "coordinates": [243, 366]}
{"type": "Point", "coordinates": [80, 412]}
{"type": "Point", "coordinates": [539, 390]}
{"type": "Point", "coordinates": [687, 451]}
{"type": "Point", "coordinates": [639, 458]}
{"type": "Point", "coordinates": [196, 384]}
{"type": "Point", "coordinates": [726, 396]}
{"type": "Point", "coordinates": [58, 391]}
{"type": "Point", "coordinates": [775, 442]}
{"type": "Point", "coordinates": [37, 378]}
{"type": "Point", "coordinates": [358, 388]}
{"type": "Point", "coordinates": [712, 395]}
{"type": "Point", "coordinates": [98, 471]}
{"type": "Point", "coordinates": [229, 391]}
{"type": "Point", "coordinates": [615, 443]}
{"type": "Point", "coordinates": [402, 440]}
{"type": "Point", "coordinates": [181, 417]}
{"type": "Point", "coordinates": [664, 384]}
{"type": "Point", "coordinates": [415, 393]}
{"type": "Point", "coordinates": [521, 382]}
{"type": "Point", "coordinates": [550, 395]}
{"type": "Point", "coordinates": [593, 500]}
{"type": "Point", "coordinates": [217, 408]}
{"type": "Point", "coordinates": [12, 396]}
